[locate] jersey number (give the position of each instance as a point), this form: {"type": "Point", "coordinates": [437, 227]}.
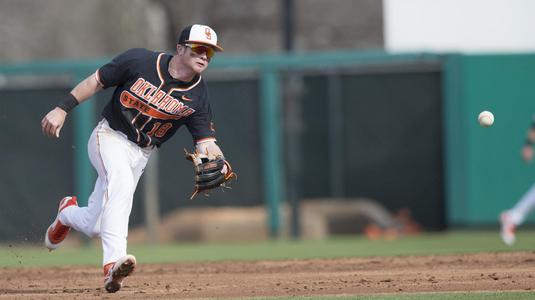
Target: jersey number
{"type": "Point", "coordinates": [159, 129]}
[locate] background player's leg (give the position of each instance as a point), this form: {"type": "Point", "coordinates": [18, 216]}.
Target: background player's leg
{"type": "Point", "coordinates": [518, 213]}
{"type": "Point", "coordinates": [515, 216]}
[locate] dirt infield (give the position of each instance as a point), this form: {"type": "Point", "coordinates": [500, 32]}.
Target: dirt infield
{"type": "Point", "coordinates": [348, 276]}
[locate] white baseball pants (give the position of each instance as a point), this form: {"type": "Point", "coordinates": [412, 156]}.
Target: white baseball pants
{"type": "Point", "coordinates": [119, 164]}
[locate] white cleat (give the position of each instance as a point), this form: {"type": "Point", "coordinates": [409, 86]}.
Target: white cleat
{"type": "Point", "coordinates": [507, 229]}
{"type": "Point", "coordinates": [115, 273]}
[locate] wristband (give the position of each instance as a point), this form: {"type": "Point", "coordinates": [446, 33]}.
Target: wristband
{"type": "Point", "coordinates": [528, 142]}
{"type": "Point", "coordinates": [68, 103]}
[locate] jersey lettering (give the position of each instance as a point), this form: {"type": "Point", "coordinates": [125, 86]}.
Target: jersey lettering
{"type": "Point", "coordinates": [131, 101]}
{"type": "Point", "coordinates": [157, 97]}
{"type": "Point", "coordinates": [163, 129]}
{"type": "Point", "coordinates": [138, 84]}
{"type": "Point", "coordinates": [159, 130]}
{"type": "Point", "coordinates": [162, 100]}
{"type": "Point", "coordinates": [143, 91]}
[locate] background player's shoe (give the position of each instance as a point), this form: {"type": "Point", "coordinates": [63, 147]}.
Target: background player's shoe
{"type": "Point", "coordinates": [57, 232]}
{"type": "Point", "coordinates": [114, 273]}
{"type": "Point", "coordinates": [508, 229]}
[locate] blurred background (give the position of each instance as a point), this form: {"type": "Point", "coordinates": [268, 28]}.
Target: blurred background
{"type": "Point", "coordinates": [341, 117]}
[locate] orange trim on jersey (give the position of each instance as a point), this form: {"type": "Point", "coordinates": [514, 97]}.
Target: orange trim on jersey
{"type": "Point", "coordinates": [162, 82]}
{"type": "Point", "coordinates": [144, 124]}
{"type": "Point", "coordinates": [160, 75]}
{"type": "Point", "coordinates": [131, 101]}
{"type": "Point", "coordinates": [135, 118]}
{"type": "Point", "coordinates": [106, 197]}
{"type": "Point", "coordinates": [97, 77]}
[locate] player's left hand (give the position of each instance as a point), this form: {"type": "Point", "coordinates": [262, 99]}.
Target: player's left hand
{"type": "Point", "coordinates": [210, 172]}
{"type": "Point", "coordinates": [53, 122]}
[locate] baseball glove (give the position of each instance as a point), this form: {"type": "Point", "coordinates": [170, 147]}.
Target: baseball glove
{"type": "Point", "coordinates": [208, 175]}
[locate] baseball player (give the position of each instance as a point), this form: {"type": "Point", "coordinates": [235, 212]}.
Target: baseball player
{"type": "Point", "coordinates": [155, 94]}
{"type": "Point", "coordinates": [515, 216]}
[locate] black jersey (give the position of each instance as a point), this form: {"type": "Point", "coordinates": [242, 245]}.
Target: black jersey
{"type": "Point", "coordinates": [148, 105]}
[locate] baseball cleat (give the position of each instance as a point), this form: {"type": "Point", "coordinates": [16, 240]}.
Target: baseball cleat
{"type": "Point", "coordinates": [57, 232]}
{"type": "Point", "coordinates": [507, 229]}
{"type": "Point", "coordinates": [115, 273]}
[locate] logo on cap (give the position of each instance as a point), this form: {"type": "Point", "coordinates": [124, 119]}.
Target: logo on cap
{"type": "Point", "coordinates": [199, 34]}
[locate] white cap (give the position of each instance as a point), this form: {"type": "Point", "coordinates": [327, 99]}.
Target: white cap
{"type": "Point", "coordinates": [199, 34]}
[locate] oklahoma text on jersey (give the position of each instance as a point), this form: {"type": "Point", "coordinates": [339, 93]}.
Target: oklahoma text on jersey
{"type": "Point", "coordinates": [168, 106]}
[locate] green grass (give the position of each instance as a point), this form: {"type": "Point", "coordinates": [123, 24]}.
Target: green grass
{"type": "Point", "coordinates": [425, 244]}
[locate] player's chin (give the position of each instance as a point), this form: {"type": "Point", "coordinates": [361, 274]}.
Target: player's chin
{"type": "Point", "coordinates": [199, 67]}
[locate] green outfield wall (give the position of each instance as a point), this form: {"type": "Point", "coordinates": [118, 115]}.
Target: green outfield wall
{"type": "Point", "coordinates": [484, 170]}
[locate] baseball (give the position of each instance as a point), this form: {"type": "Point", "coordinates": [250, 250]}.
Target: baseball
{"type": "Point", "coordinates": [485, 118]}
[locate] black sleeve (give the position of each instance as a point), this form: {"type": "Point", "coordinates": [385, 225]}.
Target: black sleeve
{"type": "Point", "coordinates": [119, 70]}
{"type": "Point", "coordinates": [200, 123]}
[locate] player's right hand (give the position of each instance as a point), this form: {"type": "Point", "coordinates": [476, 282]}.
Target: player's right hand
{"type": "Point", "coordinates": [53, 121]}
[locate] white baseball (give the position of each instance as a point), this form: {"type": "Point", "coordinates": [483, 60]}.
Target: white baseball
{"type": "Point", "coordinates": [485, 118]}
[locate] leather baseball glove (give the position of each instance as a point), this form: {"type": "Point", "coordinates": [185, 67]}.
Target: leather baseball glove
{"type": "Point", "coordinates": [208, 172]}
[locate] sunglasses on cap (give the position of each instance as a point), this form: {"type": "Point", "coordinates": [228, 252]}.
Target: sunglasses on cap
{"type": "Point", "coordinates": [200, 49]}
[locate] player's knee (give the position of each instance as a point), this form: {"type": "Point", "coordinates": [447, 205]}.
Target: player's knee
{"type": "Point", "coordinates": [95, 231]}
{"type": "Point", "coordinates": [91, 225]}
